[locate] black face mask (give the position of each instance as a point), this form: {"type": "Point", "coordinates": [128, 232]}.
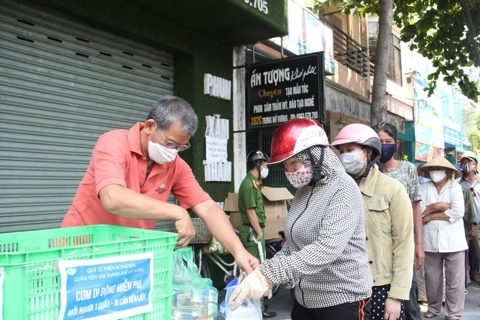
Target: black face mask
{"type": "Point", "coordinates": [388, 150]}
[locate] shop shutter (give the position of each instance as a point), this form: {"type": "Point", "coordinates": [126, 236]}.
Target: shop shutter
{"type": "Point", "coordinates": [62, 85]}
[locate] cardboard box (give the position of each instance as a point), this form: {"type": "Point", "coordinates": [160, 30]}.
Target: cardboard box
{"type": "Point", "coordinates": [231, 207]}
{"type": "Point", "coordinates": [275, 203]}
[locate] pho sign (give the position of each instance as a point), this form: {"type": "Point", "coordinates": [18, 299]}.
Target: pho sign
{"type": "Point", "coordinates": [285, 89]}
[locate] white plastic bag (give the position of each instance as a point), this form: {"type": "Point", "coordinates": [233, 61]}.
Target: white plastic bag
{"type": "Point", "coordinates": [251, 310]}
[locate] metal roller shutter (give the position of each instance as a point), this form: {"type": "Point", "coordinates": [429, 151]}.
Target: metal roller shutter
{"type": "Point", "coordinates": [62, 85]}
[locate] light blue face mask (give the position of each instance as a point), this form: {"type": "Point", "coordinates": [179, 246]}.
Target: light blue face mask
{"type": "Point", "coordinates": [351, 162]}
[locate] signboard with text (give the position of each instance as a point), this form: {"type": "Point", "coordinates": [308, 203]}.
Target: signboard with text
{"type": "Point", "coordinates": [106, 288]}
{"type": "Point", "coordinates": [281, 90]}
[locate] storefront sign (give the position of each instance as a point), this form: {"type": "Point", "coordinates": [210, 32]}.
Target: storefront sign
{"type": "Point", "coordinates": [428, 116]}
{"type": "Point", "coordinates": [396, 121]}
{"type": "Point", "coordinates": [106, 288]}
{"type": "Point", "coordinates": [452, 136]}
{"type": "Point", "coordinates": [342, 103]}
{"type": "Point", "coordinates": [398, 107]}
{"type": "Point", "coordinates": [285, 89]}
{"type": "Point", "coordinates": [452, 121]}
{"type": "Point", "coordinates": [426, 152]}
{"type": "Point", "coordinates": [217, 87]}
{"type": "Point", "coordinates": [260, 5]}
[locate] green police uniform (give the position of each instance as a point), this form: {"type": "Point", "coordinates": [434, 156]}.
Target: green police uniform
{"type": "Point", "coordinates": [250, 196]}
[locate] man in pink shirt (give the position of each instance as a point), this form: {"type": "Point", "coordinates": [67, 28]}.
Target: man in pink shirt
{"type": "Point", "coordinates": [132, 172]}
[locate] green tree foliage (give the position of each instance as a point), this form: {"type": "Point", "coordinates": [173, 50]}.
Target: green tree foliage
{"type": "Point", "coordinates": [474, 133]}
{"type": "Point", "coordinates": [447, 32]}
{"type": "Point", "coordinates": [471, 127]}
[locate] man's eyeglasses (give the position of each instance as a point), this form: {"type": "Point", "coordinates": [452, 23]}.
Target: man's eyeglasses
{"type": "Point", "coordinates": [173, 145]}
{"type": "Point", "coordinates": [473, 192]}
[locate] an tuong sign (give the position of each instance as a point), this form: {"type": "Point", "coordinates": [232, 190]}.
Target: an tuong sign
{"type": "Point", "coordinates": [285, 89]}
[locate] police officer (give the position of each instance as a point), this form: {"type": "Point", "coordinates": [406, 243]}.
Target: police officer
{"type": "Point", "coordinates": [250, 204]}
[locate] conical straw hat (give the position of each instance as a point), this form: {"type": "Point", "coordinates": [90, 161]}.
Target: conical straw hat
{"type": "Point", "coordinates": [437, 162]}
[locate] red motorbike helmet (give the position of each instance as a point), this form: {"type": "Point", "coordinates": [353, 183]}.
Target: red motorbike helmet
{"type": "Point", "coordinates": [295, 136]}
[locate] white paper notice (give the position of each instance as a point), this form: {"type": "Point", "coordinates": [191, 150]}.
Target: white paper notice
{"type": "Point", "coordinates": [216, 149]}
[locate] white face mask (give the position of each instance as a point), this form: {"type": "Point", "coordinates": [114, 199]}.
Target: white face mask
{"type": "Point", "coordinates": [301, 177]}
{"type": "Point", "coordinates": [351, 162]}
{"type": "Point", "coordinates": [161, 154]}
{"type": "Point", "coordinates": [263, 172]}
{"type": "Point", "coordinates": [437, 175]}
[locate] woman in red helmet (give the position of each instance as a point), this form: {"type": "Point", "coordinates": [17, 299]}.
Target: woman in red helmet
{"type": "Point", "coordinates": [388, 221]}
{"type": "Point", "coordinates": [325, 254]}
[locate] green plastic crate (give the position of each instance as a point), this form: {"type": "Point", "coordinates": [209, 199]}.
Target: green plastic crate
{"type": "Point", "coordinates": [32, 281]}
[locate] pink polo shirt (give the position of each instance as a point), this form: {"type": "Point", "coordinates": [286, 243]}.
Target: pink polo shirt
{"type": "Point", "coordinates": [117, 159]}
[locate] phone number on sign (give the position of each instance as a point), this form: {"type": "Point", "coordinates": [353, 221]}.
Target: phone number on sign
{"type": "Point", "coordinates": [261, 5]}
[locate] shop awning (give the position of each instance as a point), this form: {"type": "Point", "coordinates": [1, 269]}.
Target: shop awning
{"type": "Point", "coordinates": [231, 22]}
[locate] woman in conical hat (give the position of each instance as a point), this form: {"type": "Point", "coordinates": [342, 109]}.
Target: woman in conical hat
{"type": "Point", "coordinates": [437, 163]}
{"type": "Point", "coordinates": [444, 238]}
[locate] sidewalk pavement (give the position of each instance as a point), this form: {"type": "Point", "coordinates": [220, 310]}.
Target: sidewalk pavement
{"type": "Point", "coordinates": [282, 303]}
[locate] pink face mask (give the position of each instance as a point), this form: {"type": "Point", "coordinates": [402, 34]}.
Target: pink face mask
{"type": "Point", "coordinates": [301, 177]}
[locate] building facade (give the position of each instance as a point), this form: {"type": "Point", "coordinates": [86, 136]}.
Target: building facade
{"type": "Point", "coordinates": [73, 70]}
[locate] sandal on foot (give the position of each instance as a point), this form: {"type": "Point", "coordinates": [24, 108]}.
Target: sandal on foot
{"type": "Point", "coordinates": [476, 278]}
{"type": "Point", "coordinates": [429, 314]}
